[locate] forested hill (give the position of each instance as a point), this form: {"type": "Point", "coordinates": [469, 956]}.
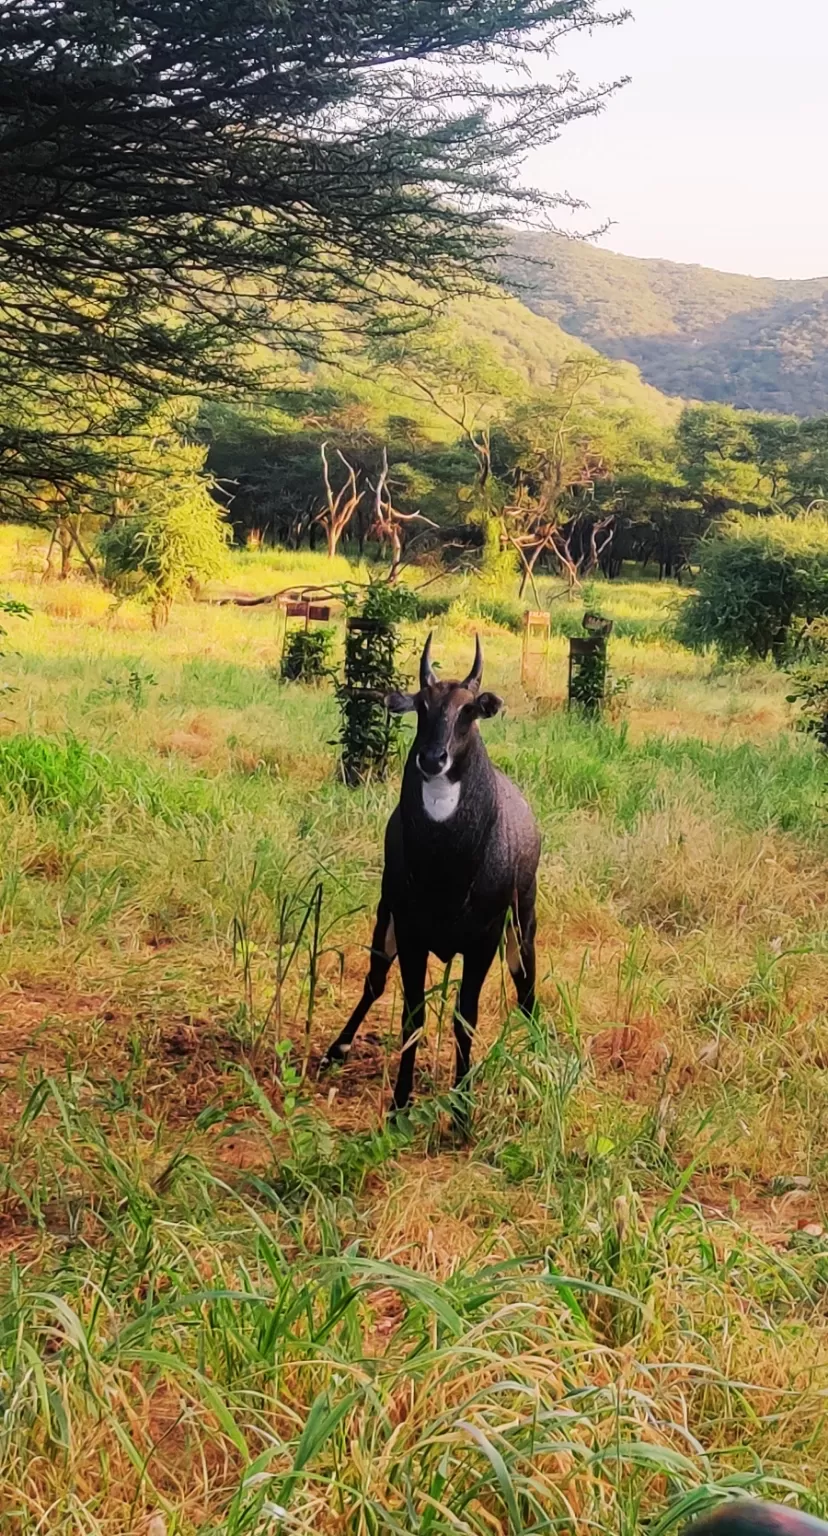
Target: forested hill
{"type": "Point", "coordinates": [757, 343]}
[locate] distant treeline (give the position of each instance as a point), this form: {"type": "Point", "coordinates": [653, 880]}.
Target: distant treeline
{"type": "Point", "coordinates": [573, 476]}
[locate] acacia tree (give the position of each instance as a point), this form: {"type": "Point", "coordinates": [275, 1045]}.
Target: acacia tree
{"type": "Point", "coordinates": [389, 523]}
{"type": "Point", "coordinates": [464, 381]}
{"type": "Point", "coordinates": [559, 451]}
{"type": "Point", "coordinates": [722, 462]}
{"type": "Point", "coordinates": [179, 175]}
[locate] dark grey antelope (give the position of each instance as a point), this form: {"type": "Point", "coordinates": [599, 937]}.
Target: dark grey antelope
{"type": "Point", "coordinates": [749, 1517]}
{"type": "Point", "coordinates": [461, 859]}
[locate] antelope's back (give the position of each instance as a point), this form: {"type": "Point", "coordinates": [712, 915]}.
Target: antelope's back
{"type": "Point", "coordinates": [751, 1517]}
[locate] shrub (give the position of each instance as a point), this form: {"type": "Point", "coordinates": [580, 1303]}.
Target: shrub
{"type": "Point", "coordinates": [431, 606]}
{"type": "Point", "coordinates": [174, 535]}
{"type": "Point", "coordinates": [756, 579]}
{"type": "Point", "coordinates": [368, 733]}
{"type": "Point", "coordinates": [14, 609]}
{"type": "Point", "coordinates": [306, 656]}
{"type": "Point", "coordinates": [810, 682]}
{"type": "Point", "coordinates": [382, 601]}
{"type": "Point", "coordinates": [498, 565]}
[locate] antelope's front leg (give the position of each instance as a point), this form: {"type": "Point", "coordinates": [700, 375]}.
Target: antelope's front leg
{"type": "Point", "coordinates": [413, 962]}
{"type": "Point", "coordinates": [383, 950]}
{"type": "Point", "coordinates": [476, 965]}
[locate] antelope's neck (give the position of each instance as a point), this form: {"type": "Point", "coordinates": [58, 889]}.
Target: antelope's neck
{"type": "Point", "coordinates": [460, 805]}
{"type": "Point", "coordinates": [441, 798]}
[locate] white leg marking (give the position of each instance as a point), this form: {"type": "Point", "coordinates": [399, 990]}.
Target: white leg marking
{"type": "Point", "coordinates": [440, 798]}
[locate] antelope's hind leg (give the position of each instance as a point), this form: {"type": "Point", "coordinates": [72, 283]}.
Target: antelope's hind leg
{"type": "Point", "coordinates": [520, 955]}
{"type": "Point", "coordinates": [383, 954]}
{"type": "Point", "coordinates": [476, 966]}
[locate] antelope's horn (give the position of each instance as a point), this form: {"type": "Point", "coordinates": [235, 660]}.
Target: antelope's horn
{"type": "Point", "coordinates": [427, 678]}
{"type": "Point", "coordinates": [475, 677]}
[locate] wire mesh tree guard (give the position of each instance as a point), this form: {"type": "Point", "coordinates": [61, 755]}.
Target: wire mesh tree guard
{"type": "Point", "coordinates": [368, 734]}
{"type": "Point", "coordinates": [588, 665]}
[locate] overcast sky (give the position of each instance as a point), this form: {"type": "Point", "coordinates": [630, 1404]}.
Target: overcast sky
{"type": "Point", "coordinates": [717, 152]}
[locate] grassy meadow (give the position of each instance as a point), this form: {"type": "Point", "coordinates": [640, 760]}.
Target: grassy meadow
{"type": "Point", "coordinates": [232, 1299]}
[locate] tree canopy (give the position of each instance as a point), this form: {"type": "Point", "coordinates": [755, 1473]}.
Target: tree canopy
{"type": "Point", "coordinates": [179, 177]}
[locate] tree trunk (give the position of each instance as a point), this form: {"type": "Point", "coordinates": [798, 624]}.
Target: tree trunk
{"type": "Point", "coordinates": [65, 541]}
{"type": "Point", "coordinates": [48, 569]}
{"type": "Point", "coordinates": [396, 555]}
{"type": "Point", "coordinates": [85, 556]}
{"type": "Point", "coordinates": [333, 540]}
{"type": "Point", "coordinates": [528, 563]}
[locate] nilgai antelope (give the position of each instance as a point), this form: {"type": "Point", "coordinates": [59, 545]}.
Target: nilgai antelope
{"type": "Point", "coordinates": [750, 1517]}
{"type": "Point", "coordinates": [461, 859]}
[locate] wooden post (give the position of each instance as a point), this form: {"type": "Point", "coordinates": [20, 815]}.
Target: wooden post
{"type": "Point", "coordinates": [534, 657]}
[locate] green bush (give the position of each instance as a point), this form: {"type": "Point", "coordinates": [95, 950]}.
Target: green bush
{"type": "Point", "coordinates": [756, 580]}
{"type": "Point", "coordinates": [306, 656]}
{"type": "Point", "coordinates": [174, 535]}
{"type": "Point", "coordinates": [368, 733]}
{"type": "Point", "coordinates": [382, 601]}
{"type": "Point", "coordinates": [497, 610]}
{"type": "Point", "coordinates": [810, 681]}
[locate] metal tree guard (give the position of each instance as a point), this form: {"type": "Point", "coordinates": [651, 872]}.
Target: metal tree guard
{"type": "Point", "coordinates": [588, 664]}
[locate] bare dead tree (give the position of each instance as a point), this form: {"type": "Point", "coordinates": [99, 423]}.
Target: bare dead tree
{"type": "Point", "coordinates": [341, 505]}
{"type": "Point", "coordinates": [389, 524]}
{"type": "Point", "coordinates": [536, 531]}
{"type": "Point", "coordinates": [575, 564]}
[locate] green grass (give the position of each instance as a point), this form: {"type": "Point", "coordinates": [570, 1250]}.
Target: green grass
{"type": "Point", "coordinates": [229, 1290]}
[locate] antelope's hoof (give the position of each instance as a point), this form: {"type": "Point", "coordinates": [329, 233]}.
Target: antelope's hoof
{"type": "Point", "coordinates": [398, 1114]}
{"type": "Point", "coordinates": [334, 1056]}
{"type": "Point", "coordinates": [460, 1127]}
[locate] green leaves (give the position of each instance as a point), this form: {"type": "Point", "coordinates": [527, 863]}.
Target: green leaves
{"type": "Point", "coordinates": [755, 579]}
{"type": "Point", "coordinates": [304, 151]}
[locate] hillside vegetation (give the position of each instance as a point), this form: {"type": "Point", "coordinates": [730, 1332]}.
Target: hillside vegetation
{"type": "Point", "coordinates": [536, 346]}
{"type": "Point", "coordinates": [756, 343]}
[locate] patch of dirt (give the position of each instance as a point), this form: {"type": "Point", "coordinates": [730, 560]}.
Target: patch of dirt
{"type": "Point", "coordinates": [367, 1062]}
{"type": "Point", "coordinates": [188, 1062]}
{"type": "Point", "coordinates": [25, 1011]}
{"type": "Point", "coordinates": [637, 1051]}
{"type": "Point", "coordinates": [17, 1234]}
{"type": "Point", "coordinates": [773, 1219]}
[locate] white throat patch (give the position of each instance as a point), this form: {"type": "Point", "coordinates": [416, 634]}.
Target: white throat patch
{"type": "Point", "coordinates": [440, 798]}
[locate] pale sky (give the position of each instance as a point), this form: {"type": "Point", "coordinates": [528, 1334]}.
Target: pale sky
{"type": "Point", "coordinates": [717, 152]}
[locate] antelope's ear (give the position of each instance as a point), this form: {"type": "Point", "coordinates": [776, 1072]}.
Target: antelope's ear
{"type": "Point", "coordinates": [486, 705]}
{"type": "Point", "coordinates": [399, 703]}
